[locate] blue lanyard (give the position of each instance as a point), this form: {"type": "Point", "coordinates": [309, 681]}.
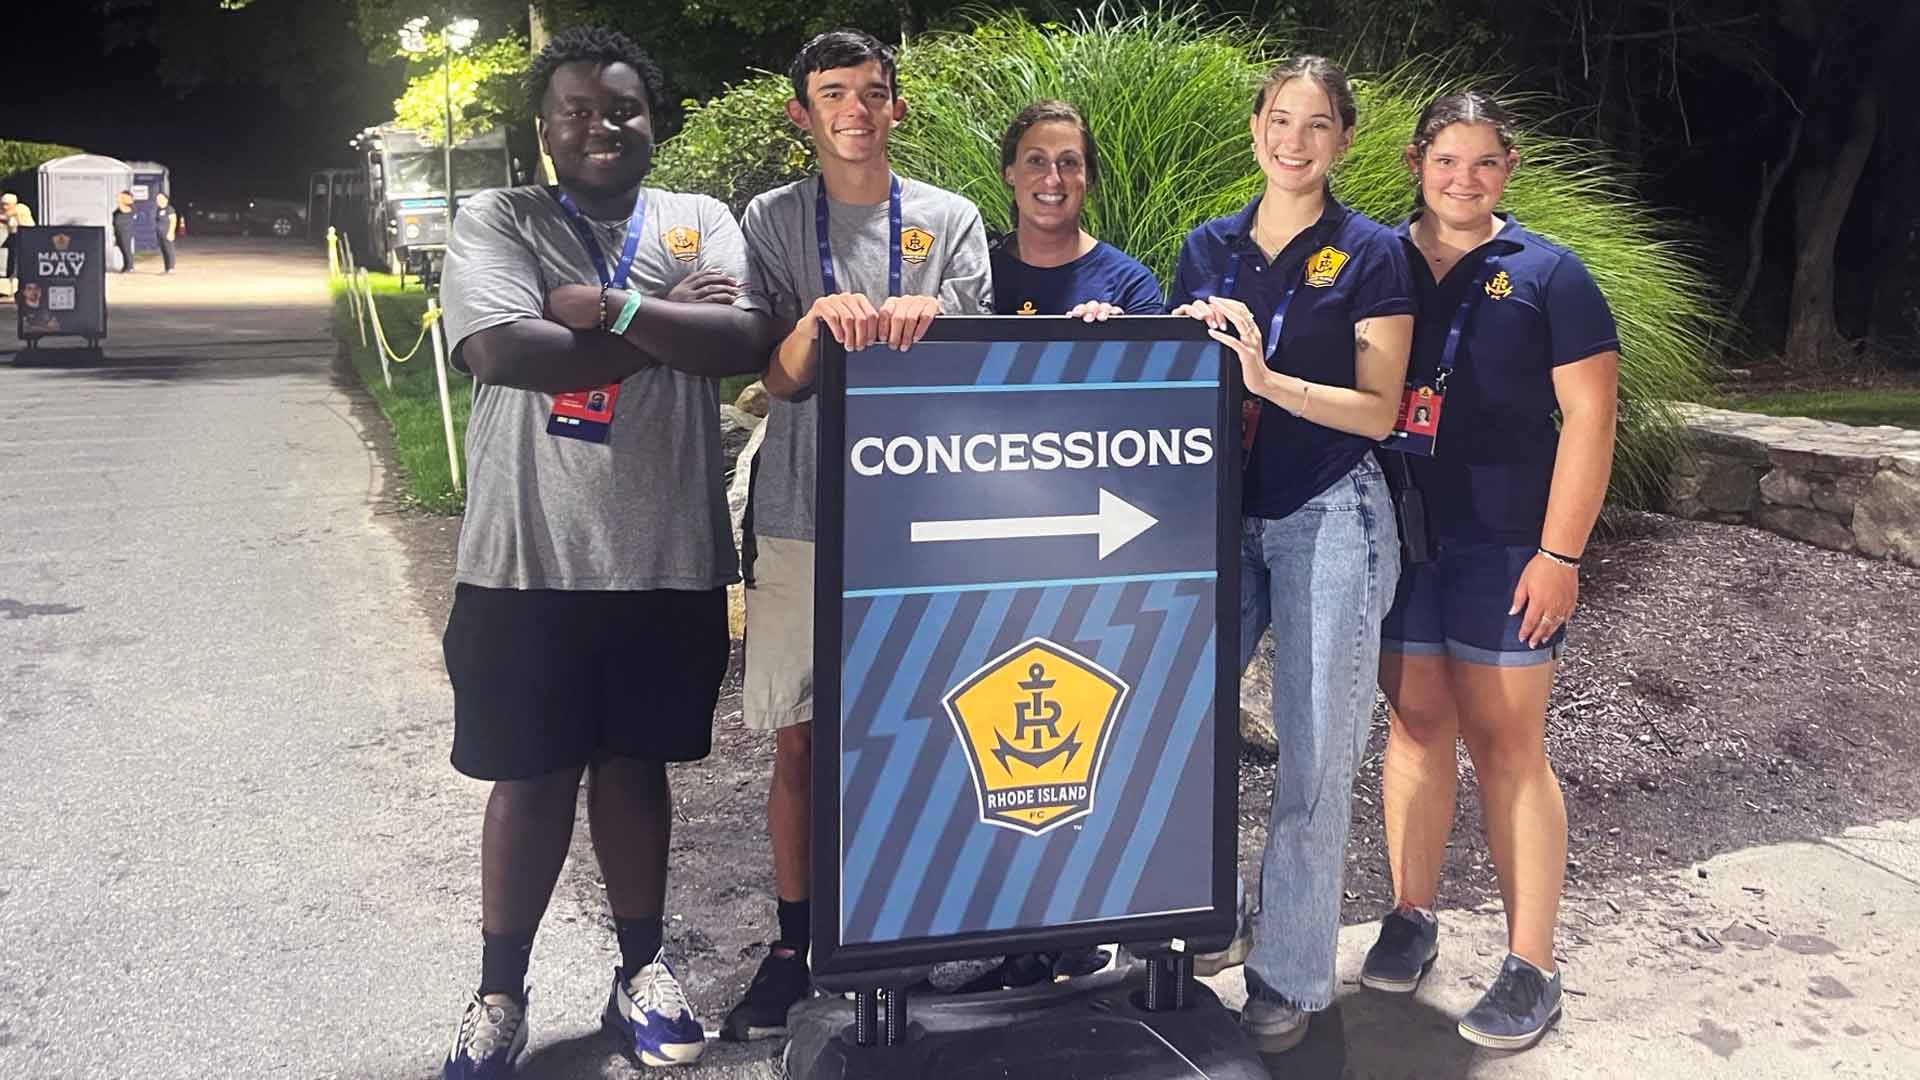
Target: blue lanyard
{"type": "Point", "coordinates": [820, 228]}
{"type": "Point", "coordinates": [1457, 329]}
{"type": "Point", "coordinates": [635, 222]}
{"type": "Point", "coordinates": [1280, 310]}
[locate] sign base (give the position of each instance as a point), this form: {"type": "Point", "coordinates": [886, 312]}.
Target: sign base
{"type": "Point", "coordinates": [1090, 1028]}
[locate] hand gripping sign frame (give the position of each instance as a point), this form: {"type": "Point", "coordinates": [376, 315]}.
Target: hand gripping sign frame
{"type": "Point", "coordinates": [1026, 642]}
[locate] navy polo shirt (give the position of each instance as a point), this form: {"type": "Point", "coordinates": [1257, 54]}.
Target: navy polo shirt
{"type": "Point", "coordinates": [1106, 274]}
{"type": "Point", "coordinates": [1350, 268]}
{"type": "Point", "coordinates": [1538, 309]}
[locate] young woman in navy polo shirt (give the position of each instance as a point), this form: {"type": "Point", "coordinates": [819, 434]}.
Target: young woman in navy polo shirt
{"type": "Point", "coordinates": [1511, 329]}
{"type": "Point", "coordinates": [1050, 264]}
{"type": "Point", "coordinates": [1314, 301]}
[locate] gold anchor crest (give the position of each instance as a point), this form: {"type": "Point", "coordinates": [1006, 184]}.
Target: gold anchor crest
{"type": "Point", "coordinates": [1500, 286]}
{"type": "Point", "coordinates": [915, 245]}
{"type": "Point", "coordinates": [1027, 309]}
{"type": "Point", "coordinates": [1034, 724]}
{"type": "Point", "coordinates": [683, 243]}
{"type": "Point", "coordinates": [1324, 266]}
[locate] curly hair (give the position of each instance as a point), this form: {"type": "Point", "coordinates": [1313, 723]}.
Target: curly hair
{"type": "Point", "coordinates": [601, 45]}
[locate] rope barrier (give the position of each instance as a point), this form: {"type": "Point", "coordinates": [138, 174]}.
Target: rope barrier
{"type": "Point", "coordinates": [360, 298]}
{"type": "Point", "coordinates": [427, 320]}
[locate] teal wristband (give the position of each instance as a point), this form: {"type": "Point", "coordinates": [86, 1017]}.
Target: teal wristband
{"type": "Point", "coordinates": [621, 321]}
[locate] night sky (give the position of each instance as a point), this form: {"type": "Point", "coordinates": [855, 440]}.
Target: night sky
{"type": "Point", "coordinates": [220, 141]}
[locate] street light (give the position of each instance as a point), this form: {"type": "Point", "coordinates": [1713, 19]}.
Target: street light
{"type": "Point", "coordinates": [455, 36]}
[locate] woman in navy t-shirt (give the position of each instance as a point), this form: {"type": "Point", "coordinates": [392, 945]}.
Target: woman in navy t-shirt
{"type": "Point", "coordinates": [1511, 329]}
{"type": "Point", "coordinates": [1050, 264]}
{"type": "Point", "coordinates": [1313, 300]}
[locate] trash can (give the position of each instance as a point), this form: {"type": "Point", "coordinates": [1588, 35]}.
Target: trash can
{"type": "Point", "coordinates": [63, 283]}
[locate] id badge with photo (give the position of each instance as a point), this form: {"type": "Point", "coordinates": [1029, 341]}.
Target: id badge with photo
{"type": "Point", "coordinates": [584, 414]}
{"type": "Point", "coordinates": [1417, 428]}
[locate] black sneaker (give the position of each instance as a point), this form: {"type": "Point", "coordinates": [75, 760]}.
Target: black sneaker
{"type": "Point", "coordinates": [1519, 1008]}
{"type": "Point", "coordinates": [1409, 943]}
{"type": "Point", "coordinates": [781, 982]}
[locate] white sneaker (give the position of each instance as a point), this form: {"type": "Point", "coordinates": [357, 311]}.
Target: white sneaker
{"type": "Point", "coordinates": [1272, 1028]}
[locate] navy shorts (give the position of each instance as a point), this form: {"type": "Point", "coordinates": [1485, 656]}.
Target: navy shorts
{"type": "Point", "coordinates": [549, 679]}
{"type": "Point", "coordinates": [1456, 606]}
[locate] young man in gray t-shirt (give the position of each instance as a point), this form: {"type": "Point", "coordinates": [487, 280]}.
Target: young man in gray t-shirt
{"type": "Point", "coordinates": [845, 96]}
{"type": "Point", "coordinates": [589, 627]}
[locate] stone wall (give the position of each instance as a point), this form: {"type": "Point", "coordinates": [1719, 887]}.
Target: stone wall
{"type": "Point", "coordinates": [1832, 485]}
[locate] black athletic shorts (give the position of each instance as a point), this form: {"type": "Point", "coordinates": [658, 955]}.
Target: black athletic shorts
{"type": "Point", "coordinates": [548, 679]}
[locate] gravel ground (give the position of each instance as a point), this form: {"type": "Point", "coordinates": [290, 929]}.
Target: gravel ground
{"type": "Point", "coordinates": [1722, 687]}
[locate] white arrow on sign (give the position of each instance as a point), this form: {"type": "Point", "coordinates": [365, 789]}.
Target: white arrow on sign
{"type": "Point", "coordinates": [1117, 522]}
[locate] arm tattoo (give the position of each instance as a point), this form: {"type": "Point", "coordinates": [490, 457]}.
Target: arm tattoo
{"type": "Point", "coordinates": [1360, 343]}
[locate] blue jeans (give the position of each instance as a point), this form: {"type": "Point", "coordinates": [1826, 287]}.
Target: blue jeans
{"type": "Point", "coordinates": [1323, 577]}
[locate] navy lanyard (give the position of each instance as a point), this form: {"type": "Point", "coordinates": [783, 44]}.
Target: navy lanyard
{"type": "Point", "coordinates": [820, 228]}
{"type": "Point", "coordinates": [1280, 310]}
{"type": "Point", "coordinates": [635, 222]}
{"type": "Point", "coordinates": [1457, 329]}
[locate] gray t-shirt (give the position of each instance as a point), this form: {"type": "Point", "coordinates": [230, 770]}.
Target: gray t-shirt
{"type": "Point", "coordinates": [644, 510]}
{"type": "Point", "coordinates": [945, 256]}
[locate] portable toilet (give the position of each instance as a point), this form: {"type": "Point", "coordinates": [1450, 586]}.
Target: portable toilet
{"type": "Point", "coordinates": [150, 178]}
{"type": "Point", "coordinates": [79, 190]}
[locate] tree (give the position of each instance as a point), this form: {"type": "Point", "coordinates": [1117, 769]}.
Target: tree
{"type": "Point", "coordinates": [484, 83]}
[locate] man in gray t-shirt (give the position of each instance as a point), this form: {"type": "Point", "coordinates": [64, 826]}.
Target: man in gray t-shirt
{"type": "Point", "coordinates": [589, 627]}
{"type": "Point", "coordinates": [844, 95]}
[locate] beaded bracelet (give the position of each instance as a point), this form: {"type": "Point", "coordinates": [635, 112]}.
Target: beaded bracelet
{"type": "Point", "coordinates": [603, 306]}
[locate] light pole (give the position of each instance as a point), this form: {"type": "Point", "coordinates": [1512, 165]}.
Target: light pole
{"type": "Point", "coordinates": [456, 35]}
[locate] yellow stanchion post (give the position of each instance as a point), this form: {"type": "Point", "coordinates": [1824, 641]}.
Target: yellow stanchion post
{"type": "Point", "coordinates": [333, 253]}
{"type": "Point", "coordinates": [366, 297]}
{"type": "Point", "coordinates": [359, 306]}
{"type": "Point", "coordinates": [446, 402]}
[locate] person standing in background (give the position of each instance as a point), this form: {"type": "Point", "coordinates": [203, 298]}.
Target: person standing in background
{"type": "Point", "coordinates": [14, 216]}
{"type": "Point", "coordinates": [123, 229]}
{"type": "Point", "coordinates": [164, 226]}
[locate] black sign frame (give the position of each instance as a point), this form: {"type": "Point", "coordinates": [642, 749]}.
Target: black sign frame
{"type": "Point", "coordinates": [830, 957]}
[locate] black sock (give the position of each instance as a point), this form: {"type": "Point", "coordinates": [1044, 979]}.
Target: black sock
{"type": "Point", "coordinates": [796, 925]}
{"type": "Point", "coordinates": [503, 963]}
{"type": "Point", "coordinates": [640, 939]}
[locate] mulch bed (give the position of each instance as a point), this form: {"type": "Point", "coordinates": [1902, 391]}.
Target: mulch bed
{"type": "Point", "coordinates": [1723, 687]}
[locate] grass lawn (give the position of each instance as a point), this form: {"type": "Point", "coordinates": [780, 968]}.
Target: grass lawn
{"type": "Point", "coordinates": [413, 404]}
{"type": "Point", "coordinates": [1899, 406]}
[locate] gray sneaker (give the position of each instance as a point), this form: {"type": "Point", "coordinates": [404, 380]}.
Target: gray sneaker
{"type": "Point", "coordinates": [1272, 1027]}
{"type": "Point", "coordinates": [1516, 1010]}
{"type": "Point", "coordinates": [1408, 944]}
{"type": "Point", "coordinates": [1208, 964]}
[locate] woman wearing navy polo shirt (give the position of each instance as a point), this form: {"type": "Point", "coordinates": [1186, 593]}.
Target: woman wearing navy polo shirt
{"type": "Point", "coordinates": [1511, 329]}
{"type": "Point", "coordinates": [1050, 264]}
{"type": "Point", "coordinates": [1314, 301]}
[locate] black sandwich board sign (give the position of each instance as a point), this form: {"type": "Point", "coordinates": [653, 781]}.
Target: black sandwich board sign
{"type": "Point", "coordinates": [1027, 598]}
{"type": "Point", "coordinates": [63, 282]}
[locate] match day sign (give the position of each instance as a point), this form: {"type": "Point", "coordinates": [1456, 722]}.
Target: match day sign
{"type": "Point", "coordinates": [1026, 596]}
{"type": "Point", "coordinates": [63, 284]}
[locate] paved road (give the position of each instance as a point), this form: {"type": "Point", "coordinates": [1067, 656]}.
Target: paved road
{"type": "Point", "coordinates": [233, 846]}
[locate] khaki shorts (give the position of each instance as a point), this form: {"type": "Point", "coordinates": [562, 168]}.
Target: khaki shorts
{"type": "Point", "coordinates": [777, 687]}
